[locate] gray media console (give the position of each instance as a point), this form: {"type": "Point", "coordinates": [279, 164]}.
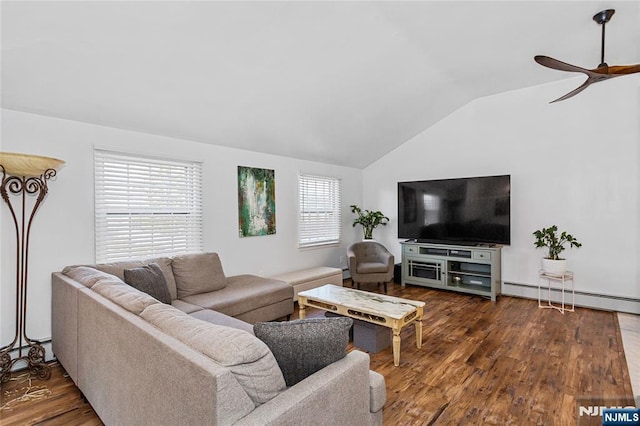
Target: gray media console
{"type": "Point", "coordinates": [467, 269]}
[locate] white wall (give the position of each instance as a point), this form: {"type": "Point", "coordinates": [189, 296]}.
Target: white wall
{"type": "Point", "coordinates": [573, 163]}
{"type": "Point", "coordinates": [63, 230]}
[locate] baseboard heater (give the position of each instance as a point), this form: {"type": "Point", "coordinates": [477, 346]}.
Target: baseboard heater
{"type": "Point", "coordinates": [585, 299]}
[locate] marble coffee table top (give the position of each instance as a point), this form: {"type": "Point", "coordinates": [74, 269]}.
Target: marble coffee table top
{"type": "Point", "coordinates": [392, 307]}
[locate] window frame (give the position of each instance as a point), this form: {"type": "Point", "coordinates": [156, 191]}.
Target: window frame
{"type": "Point", "coordinates": [333, 228]}
{"type": "Point", "coordinates": [145, 206]}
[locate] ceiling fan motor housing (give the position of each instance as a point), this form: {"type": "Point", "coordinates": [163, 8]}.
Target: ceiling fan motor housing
{"type": "Point", "coordinates": [604, 16]}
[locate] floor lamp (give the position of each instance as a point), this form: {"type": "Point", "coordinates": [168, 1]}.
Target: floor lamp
{"type": "Point", "coordinates": [24, 177]}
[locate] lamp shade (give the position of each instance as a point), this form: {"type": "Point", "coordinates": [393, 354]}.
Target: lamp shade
{"type": "Point", "coordinates": [27, 165]}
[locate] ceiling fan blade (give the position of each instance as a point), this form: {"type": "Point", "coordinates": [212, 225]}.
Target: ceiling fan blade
{"type": "Point", "coordinates": [574, 92]}
{"type": "Point", "coordinates": [559, 65]}
{"type": "Point", "coordinates": [601, 73]}
{"type": "Point", "coordinates": [624, 69]}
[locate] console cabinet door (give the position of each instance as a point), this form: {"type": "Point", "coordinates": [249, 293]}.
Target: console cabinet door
{"type": "Point", "coordinates": [423, 270]}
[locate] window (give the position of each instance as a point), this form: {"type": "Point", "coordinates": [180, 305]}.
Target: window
{"type": "Point", "coordinates": [146, 207]}
{"type": "Point", "coordinates": [319, 199]}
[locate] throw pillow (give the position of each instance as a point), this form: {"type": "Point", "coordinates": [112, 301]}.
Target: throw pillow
{"type": "Point", "coordinates": [302, 347]}
{"type": "Point", "coordinates": [149, 279]}
{"type": "Point", "coordinates": [198, 273]}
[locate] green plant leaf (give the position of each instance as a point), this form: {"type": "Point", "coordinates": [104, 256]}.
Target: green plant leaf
{"type": "Point", "coordinates": [368, 219]}
{"type": "Point", "coordinates": [548, 237]}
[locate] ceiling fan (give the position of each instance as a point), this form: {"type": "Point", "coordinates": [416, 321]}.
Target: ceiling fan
{"type": "Point", "coordinates": [601, 73]}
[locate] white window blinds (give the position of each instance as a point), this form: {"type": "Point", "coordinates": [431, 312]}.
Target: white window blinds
{"type": "Point", "coordinates": [319, 199]}
{"type": "Point", "coordinates": [146, 207]}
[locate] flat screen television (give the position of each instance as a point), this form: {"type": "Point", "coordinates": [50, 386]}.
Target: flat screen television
{"type": "Point", "coordinates": [466, 211]}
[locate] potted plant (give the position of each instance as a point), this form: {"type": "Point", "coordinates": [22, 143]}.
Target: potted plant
{"type": "Point", "coordinates": [369, 220]}
{"type": "Point", "coordinates": [548, 237]}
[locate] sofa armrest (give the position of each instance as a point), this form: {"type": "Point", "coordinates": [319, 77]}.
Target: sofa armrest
{"type": "Point", "coordinates": [340, 393]}
{"type": "Point", "coordinates": [64, 322]}
{"type": "Point", "coordinates": [377, 391]}
{"type": "Point", "coordinates": [351, 261]}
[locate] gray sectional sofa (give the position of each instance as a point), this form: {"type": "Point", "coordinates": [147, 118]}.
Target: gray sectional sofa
{"type": "Point", "coordinates": [195, 361]}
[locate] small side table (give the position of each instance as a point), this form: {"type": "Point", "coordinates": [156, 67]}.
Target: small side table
{"type": "Point", "coordinates": [563, 280]}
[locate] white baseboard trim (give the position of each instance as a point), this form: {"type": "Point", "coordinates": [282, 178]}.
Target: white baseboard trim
{"type": "Point", "coordinates": [346, 274]}
{"type": "Point", "coordinates": [584, 299]}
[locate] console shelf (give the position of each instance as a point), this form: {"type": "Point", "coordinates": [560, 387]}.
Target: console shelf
{"type": "Point", "coordinates": [474, 270]}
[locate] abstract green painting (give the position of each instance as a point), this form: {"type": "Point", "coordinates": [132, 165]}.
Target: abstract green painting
{"type": "Point", "coordinates": [256, 201]}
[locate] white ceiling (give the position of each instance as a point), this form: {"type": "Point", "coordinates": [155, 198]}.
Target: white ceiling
{"type": "Point", "coordinates": [335, 82]}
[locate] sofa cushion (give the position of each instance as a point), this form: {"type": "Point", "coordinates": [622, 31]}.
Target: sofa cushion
{"type": "Point", "coordinates": [302, 347]}
{"type": "Point", "coordinates": [85, 275]}
{"type": "Point", "coordinates": [198, 273]}
{"type": "Point", "coordinates": [117, 269]}
{"type": "Point", "coordinates": [371, 267]}
{"type": "Point", "coordinates": [112, 288]}
{"type": "Point", "coordinates": [149, 279]}
{"type": "Point", "coordinates": [244, 293]}
{"type": "Point", "coordinates": [218, 318]}
{"type": "Point", "coordinates": [185, 307]}
{"type": "Point", "coordinates": [309, 274]}
{"type": "Point", "coordinates": [127, 297]}
{"type": "Point", "coordinates": [248, 358]}
{"type": "Point", "coordinates": [165, 265]}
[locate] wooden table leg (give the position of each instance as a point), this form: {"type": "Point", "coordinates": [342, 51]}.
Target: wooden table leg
{"type": "Point", "coordinates": [396, 347]}
{"type": "Point", "coordinates": [419, 334]}
{"type": "Point", "coordinates": [301, 310]}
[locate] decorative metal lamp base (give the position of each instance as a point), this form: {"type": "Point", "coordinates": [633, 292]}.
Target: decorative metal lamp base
{"type": "Point", "coordinates": [34, 359]}
{"type": "Point", "coordinates": [23, 176]}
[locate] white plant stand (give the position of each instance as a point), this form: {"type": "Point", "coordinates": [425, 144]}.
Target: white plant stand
{"type": "Point", "coordinates": [563, 280]}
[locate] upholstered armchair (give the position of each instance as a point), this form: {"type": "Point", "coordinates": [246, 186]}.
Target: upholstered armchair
{"type": "Point", "coordinates": [370, 262]}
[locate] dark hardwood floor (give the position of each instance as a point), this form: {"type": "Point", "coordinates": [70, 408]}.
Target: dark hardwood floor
{"type": "Point", "coordinates": [62, 404]}
{"type": "Point", "coordinates": [507, 362]}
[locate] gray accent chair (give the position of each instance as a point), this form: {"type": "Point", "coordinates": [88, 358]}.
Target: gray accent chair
{"type": "Point", "coordinates": [370, 262]}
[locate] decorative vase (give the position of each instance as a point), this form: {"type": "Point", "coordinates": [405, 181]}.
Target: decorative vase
{"type": "Point", "coordinates": [555, 267]}
{"type": "Point", "coordinates": [367, 234]}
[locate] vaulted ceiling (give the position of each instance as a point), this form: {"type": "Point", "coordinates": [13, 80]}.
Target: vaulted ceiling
{"type": "Point", "coordinates": [335, 82]}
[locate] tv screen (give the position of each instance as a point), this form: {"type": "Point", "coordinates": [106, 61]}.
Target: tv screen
{"type": "Point", "coordinates": [456, 211]}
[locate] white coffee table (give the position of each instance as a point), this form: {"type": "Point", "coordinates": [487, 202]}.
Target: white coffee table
{"type": "Point", "coordinates": [388, 311]}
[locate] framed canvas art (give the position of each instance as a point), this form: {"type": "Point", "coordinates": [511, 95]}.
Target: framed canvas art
{"type": "Point", "coordinates": [256, 201]}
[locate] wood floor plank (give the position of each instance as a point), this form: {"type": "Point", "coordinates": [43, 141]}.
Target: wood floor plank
{"type": "Point", "coordinates": [502, 363]}
{"type": "Point", "coordinates": [63, 405]}
{"type": "Point", "coordinates": [508, 362]}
